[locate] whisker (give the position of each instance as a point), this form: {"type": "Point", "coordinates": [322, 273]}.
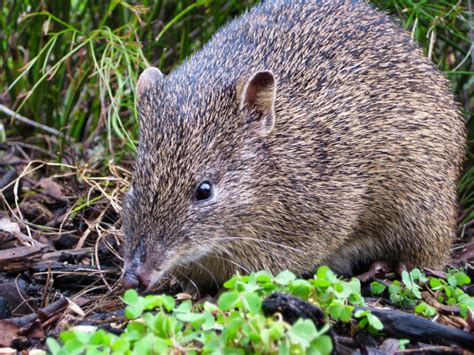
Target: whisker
{"type": "Point", "coordinates": [232, 262]}
{"type": "Point", "coordinates": [158, 285]}
{"type": "Point", "coordinates": [224, 250]}
{"type": "Point", "coordinates": [179, 282]}
{"type": "Point", "coordinates": [192, 283]}
{"type": "Point", "coordinates": [208, 271]}
{"type": "Point", "coordinates": [261, 241]}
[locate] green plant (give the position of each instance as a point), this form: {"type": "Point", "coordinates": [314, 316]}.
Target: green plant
{"type": "Point", "coordinates": [369, 319]}
{"type": "Point", "coordinates": [450, 291]}
{"type": "Point", "coordinates": [336, 297]}
{"type": "Point", "coordinates": [235, 323]}
{"type": "Point", "coordinates": [405, 292]}
{"type": "Point", "coordinates": [404, 343]}
{"type": "Point", "coordinates": [408, 291]}
{"type": "Point", "coordinates": [425, 309]}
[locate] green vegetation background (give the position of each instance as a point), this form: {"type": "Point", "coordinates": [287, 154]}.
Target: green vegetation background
{"type": "Point", "coordinates": [72, 65]}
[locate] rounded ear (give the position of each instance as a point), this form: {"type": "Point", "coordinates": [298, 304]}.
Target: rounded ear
{"type": "Point", "coordinates": [147, 79]}
{"type": "Point", "coordinates": [258, 95]}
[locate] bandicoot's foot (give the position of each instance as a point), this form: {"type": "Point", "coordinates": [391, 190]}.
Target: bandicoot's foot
{"type": "Point", "coordinates": [377, 269]}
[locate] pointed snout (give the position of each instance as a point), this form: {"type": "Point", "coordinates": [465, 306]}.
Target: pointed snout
{"type": "Point", "coordinates": [138, 277]}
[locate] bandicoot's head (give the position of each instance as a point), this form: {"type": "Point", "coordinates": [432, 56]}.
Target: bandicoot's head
{"type": "Point", "coordinates": [195, 193]}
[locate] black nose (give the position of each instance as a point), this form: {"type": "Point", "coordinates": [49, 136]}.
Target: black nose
{"type": "Point", "coordinates": [138, 278]}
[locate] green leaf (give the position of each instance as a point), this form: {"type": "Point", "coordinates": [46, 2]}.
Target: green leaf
{"type": "Point", "coordinates": [93, 350]}
{"type": "Point", "coordinates": [284, 347]}
{"type": "Point", "coordinates": [463, 308]}
{"type": "Point", "coordinates": [184, 307]}
{"type": "Point", "coordinates": [374, 322]}
{"type": "Point", "coordinates": [420, 308]}
{"type": "Point", "coordinates": [355, 285]}
{"type": "Point", "coordinates": [137, 327]}
{"type": "Point", "coordinates": [251, 285]}
{"type": "Point", "coordinates": [228, 300]}
{"type": "Point", "coordinates": [233, 351]}
{"type": "Point", "coordinates": [322, 272]}
{"type": "Point", "coordinates": [82, 336]}
{"type": "Point", "coordinates": [325, 273]}
{"type": "Point", "coordinates": [189, 317]}
{"type": "Point", "coordinates": [134, 311]}
{"type": "Point", "coordinates": [209, 322]}
{"type": "Point", "coordinates": [230, 284]}
{"type": "Point", "coordinates": [321, 284]}
{"type": "Point", "coordinates": [277, 330]}
{"type": "Point", "coordinates": [403, 343]}
{"type": "Point", "coordinates": [435, 284]}
{"type": "Point", "coordinates": [416, 274]}
{"type": "Point", "coordinates": [151, 302]}
{"type": "Point", "coordinates": [363, 322]}
{"type": "Point", "coordinates": [452, 280]}
{"type": "Point", "coordinates": [252, 302]}
{"type": "Point", "coordinates": [321, 345]}
{"type": "Point", "coordinates": [285, 277]}
{"type": "Point", "coordinates": [144, 345]}
{"type": "Point", "coordinates": [425, 309]}
{"type": "Point", "coordinates": [265, 339]}
{"type": "Point", "coordinates": [395, 287]}
{"type": "Point", "coordinates": [160, 345]}
{"type": "Point", "coordinates": [368, 318]}
{"type": "Point", "coordinates": [303, 332]}
{"type": "Point", "coordinates": [74, 346]}
{"type": "Point", "coordinates": [100, 337]}
{"type": "Point", "coordinates": [121, 345]}
{"type": "Point", "coordinates": [130, 297]}
{"type": "Point", "coordinates": [300, 288]}
{"type": "Point", "coordinates": [346, 313]}
{"type": "Point", "coordinates": [377, 288]}
{"type": "Point", "coordinates": [335, 311]}
{"type": "Point", "coordinates": [451, 301]}
{"type": "Point", "coordinates": [263, 276]}
{"type": "Point", "coordinates": [53, 346]}
{"type": "Point", "coordinates": [67, 335]}
{"type": "Point", "coordinates": [360, 313]}
{"type": "Point", "coordinates": [406, 279]}
{"type": "Point", "coordinates": [462, 279]}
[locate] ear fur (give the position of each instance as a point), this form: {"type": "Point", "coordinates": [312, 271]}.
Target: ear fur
{"type": "Point", "coordinates": [258, 95]}
{"type": "Point", "coordinates": [146, 81]}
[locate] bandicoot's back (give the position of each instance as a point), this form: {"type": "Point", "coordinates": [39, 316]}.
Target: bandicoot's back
{"type": "Point", "coordinates": [302, 133]}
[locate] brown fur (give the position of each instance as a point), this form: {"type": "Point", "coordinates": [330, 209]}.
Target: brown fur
{"type": "Point", "coordinates": [354, 160]}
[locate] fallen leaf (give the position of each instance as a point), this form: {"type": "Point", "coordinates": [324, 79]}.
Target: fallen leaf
{"type": "Point", "coordinates": [183, 296]}
{"type": "Point", "coordinates": [9, 226]}
{"type": "Point", "coordinates": [52, 188]}
{"type": "Point", "coordinates": [76, 308]}
{"type": "Point", "coordinates": [36, 352]}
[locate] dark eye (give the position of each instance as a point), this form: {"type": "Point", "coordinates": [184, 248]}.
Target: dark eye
{"type": "Point", "coordinates": [204, 191]}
